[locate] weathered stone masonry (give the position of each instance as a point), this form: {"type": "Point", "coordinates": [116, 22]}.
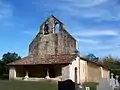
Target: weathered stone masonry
{"type": "Point", "coordinates": [54, 43]}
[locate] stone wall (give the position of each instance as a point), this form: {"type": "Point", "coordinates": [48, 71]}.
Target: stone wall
{"type": "Point", "coordinates": [105, 73]}
{"type": "Point", "coordinates": [83, 71]}
{"type": "Point", "coordinates": [94, 72]}
{"type": "Point", "coordinates": [12, 73]}
{"type": "Point", "coordinates": [53, 43]}
{"type": "Point", "coordinates": [65, 72]}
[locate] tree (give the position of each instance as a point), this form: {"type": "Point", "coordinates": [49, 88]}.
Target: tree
{"type": "Point", "coordinates": [1, 67]}
{"type": "Point", "coordinates": [110, 61]}
{"type": "Point", "coordinates": [10, 57]}
{"type": "Point", "coordinates": [113, 64]}
{"type": "Point", "coordinates": [7, 58]}
{"type": "Point", "coordinates": [92, 57]}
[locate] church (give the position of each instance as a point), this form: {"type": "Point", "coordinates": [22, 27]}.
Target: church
{"type": "Point", "coordinates": [53, 56]}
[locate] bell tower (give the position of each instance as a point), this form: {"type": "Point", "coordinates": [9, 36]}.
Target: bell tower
{"type": "Point", "coordinates": [52, 39]}
{"type": "Point", "coordinates": [49, 26]}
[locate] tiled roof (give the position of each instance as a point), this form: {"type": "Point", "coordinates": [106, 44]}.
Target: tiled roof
{"type": "Point", "coordinates": [51, 59]}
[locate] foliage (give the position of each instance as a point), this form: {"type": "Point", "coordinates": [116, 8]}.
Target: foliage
{"type": "Point", "coordinates": [109, 59]}
{"type": "Point", "coordinates": [113, 64]}
{"type": "Point", "coordinates": [10, 57]}
{"type": "Point", "coordinates": [92, 57]}
{"type": "Point", "coordinates": [7, 58]}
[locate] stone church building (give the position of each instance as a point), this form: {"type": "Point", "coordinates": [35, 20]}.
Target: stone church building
{"type": "Point", "coordinates": [53, 56]}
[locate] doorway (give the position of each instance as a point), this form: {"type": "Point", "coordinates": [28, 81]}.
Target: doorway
{"type": "Point", "coordinates": [75, 72]}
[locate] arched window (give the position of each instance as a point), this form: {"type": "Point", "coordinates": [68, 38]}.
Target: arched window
{"type": "Point", "coordinates": [46, 29]}
{"type": "Point", "coordinates": [57, 28]}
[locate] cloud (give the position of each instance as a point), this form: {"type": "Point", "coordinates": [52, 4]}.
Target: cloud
{"type": "Point", "coordinates": [87, 41]}
{"type": "Point", "coordinates": [103, 48]}
{"type": "Point", "coordinates": [101, 45]}
{"type": "Point", "coordinates": [29, 32]}
{"type": "Point", "coordinates": [84, 3]}
{"type": "Point", "coordinates": [5, 10]}
{"type": "Point", "coordinates": [109, 10]}
{"type": "Point", "coordinates": [101, 51]}
{"type": "Point", "coordinates": [98, 10]}
{"type": "Point", "coordinates": [89, 33]}
{"type": "Point", "coordinates": [6, 14]}
{"type": "Point", "coordinates": [107, 47]}
{"type": "Point", "coordinates": [98, 48]}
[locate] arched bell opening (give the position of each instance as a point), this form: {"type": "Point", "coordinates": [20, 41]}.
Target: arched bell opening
{"type": "Point", "coordinates": [46, 29]}
{"type": "Point", "coordinates": [57, 28]}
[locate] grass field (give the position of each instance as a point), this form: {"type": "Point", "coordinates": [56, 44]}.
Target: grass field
{"type": "Point", "coordinates": [25, 85]}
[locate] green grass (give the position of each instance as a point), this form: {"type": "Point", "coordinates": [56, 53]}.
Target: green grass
{"type": "Point", "coordinates": [25, 85]}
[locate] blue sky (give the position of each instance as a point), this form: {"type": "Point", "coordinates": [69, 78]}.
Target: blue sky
{"type": "Point", "coordinates": [94, 23]}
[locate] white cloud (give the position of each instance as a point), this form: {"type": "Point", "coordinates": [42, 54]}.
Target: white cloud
{"type": "Point", "coordinates": [99, 48]}
{"type": "Point", "coordinates": [89, 33]}
{"type": "Point", "coordinates": [103, 48]}
{"type": "Point", "coordinates": [84, 3]}
{"type": "Point", "coordinates": [29, 32]}
{"type": "Point", "coordinates": [5, 10]}
{"type": "Point", "coordinates": [99, 10]}
{"type": "Point", "coordinates": [6, 14]}
{"type": "Point", "coordinates": [88, 41]}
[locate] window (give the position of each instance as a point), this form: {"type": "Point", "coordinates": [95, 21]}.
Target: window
{"type": "Point", "coordinates": [46, 29]}
{"type": "Point", "coordinates": [57, 26]}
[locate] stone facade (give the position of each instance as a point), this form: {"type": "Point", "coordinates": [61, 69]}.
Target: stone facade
{"type": "Point", "coordinates": [54, 42]}
{"type": "Point", "coordinates": [65, 72]}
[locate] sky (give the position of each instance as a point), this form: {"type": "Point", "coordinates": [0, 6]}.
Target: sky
{"type": "Point", "coordinates": [94, 23]}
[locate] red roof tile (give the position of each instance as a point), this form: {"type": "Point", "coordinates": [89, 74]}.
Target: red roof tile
{"type": "Point", "coordinates": [51, 59]}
